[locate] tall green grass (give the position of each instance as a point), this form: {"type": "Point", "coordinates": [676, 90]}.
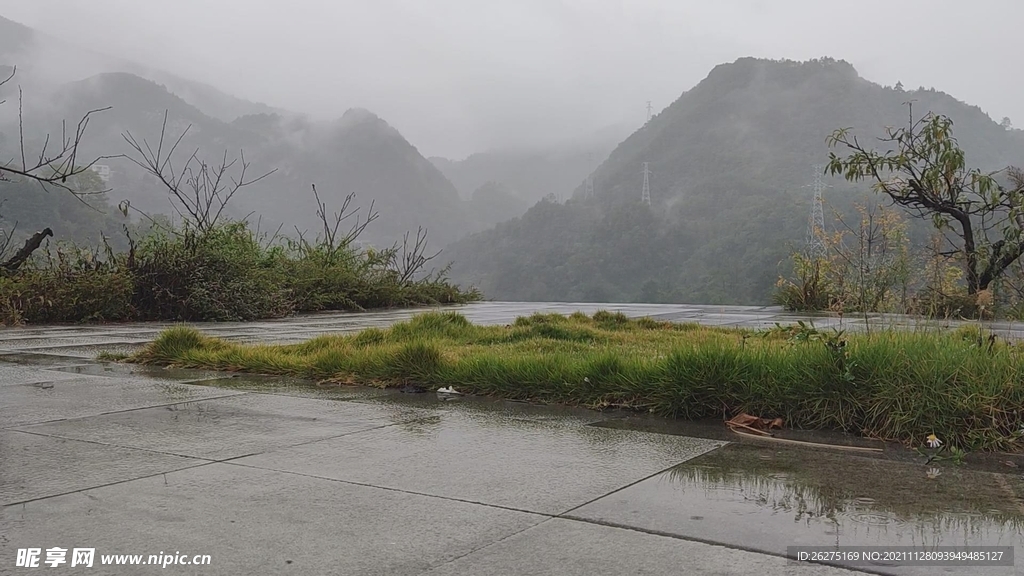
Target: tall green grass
{"type": "Point", "coordinates": [890, 385]}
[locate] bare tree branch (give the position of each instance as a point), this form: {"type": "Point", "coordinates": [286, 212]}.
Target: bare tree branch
{"type": "Point", "coordinates": [412, 258]}
{"type": "Point", "coordinates": [50, 168]}
{"type": "Point", "coordinates": [199, 191]}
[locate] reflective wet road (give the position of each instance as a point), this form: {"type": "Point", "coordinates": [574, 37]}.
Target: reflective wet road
{"type": "Point", "coordinates": [271, 476]}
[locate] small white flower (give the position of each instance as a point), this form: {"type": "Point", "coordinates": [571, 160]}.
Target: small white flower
{"type": "Point", "coordinates": [933, 441]}
{"type": "Point", "coordinates": [933, 473]}
{"type": "Point", "coordinates": [587, 380]}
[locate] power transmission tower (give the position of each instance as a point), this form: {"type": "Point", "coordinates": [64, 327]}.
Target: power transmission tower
{"type": "Point", "coordinates": [645, 194]}
{"type": "Point", "coordinates": [650, 109]}
{"type": "Point", "coordinates": [816, 222]}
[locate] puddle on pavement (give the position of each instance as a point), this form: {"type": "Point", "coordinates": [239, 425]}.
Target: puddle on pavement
{"type": "Point", "coordinates": [91, 351]}
{"type": "Point", "coordinates": [393, 397]}
{"type": "Point", "coordinates": [715, 429]}
{"type": "Point", "coordinates": [767, 498]}
{"type": "Point", "coordinates": [615, 419]}
{"type": "Point", "coordinates": [509, 409]}
{"type": "Point", "coordinates": [286, 386]}
{"type": "Point", "coordinates": [30, 359]}
{"type": "Point", "coordinates": [155, 372]}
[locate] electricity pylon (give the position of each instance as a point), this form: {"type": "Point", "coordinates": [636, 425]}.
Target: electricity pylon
{"type": "Point", "coordinates": [816, 222]}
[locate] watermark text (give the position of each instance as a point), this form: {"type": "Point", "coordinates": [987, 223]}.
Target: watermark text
{"type": "Point", "coordinates": [86, 557]}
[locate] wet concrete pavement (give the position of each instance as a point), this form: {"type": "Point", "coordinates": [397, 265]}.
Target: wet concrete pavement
{"type": "Point", "coordinates": [271, 476]}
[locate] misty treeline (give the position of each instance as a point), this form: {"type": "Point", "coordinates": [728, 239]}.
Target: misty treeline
{"type": "Point", "coordinates": [201, 264]}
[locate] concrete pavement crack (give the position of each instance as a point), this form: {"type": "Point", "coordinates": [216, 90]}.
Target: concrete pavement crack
{"type": "Point", "coordinates": [113, 483]}
{"type": "Point", "coordinates": [672, 535]}
{"type": "Point", "coordinates": [484, 547]}
{"type": "Point", "coordinates": [19, 427]}
{"type": "Point", "coordinates": [391, 489]}
{"type": "Point", "coordinates": [211, 460]}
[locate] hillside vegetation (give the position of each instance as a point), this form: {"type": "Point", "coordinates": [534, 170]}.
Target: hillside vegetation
{"type": "Point", "coordinates": [730, 160]}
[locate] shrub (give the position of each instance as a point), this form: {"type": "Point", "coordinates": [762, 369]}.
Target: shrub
{"type": "Point", "coordinates": [810, 290]}
{"type": "Point", "coordinates": [222, 273]}
{"type": "Point", "coordinates": [71, 285]}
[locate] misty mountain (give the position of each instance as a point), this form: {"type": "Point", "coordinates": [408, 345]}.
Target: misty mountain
{"type": "Point", "coordinates": [729, 161]}
{"type": "Point", "coordinates": [494, 202]}
{"type": "Point", "coordinates": [45, 61]}
{"type": "Point", "coordinates": [533, 173]}
{"type": "Point", "coordinates": [14, 37]}
{"type": "Point", "coordinates": [359, 153]}
{"type": "Point", "coordinates": [136, 106]}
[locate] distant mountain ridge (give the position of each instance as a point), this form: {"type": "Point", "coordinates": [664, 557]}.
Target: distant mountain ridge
{"type": "Point", "coordinates": [358, 153]}
{"type": "Point", "coordinates": [533, 173]}
{"type": "Point", "coordinates": [31, 50]}
{"type": "Point", "coordinates": [730, 160]}
{"type": "Point", "coordinates": [765, 115]}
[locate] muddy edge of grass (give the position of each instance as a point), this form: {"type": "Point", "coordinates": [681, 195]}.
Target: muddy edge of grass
{"type": "Point", "coordinates": [892, 385]}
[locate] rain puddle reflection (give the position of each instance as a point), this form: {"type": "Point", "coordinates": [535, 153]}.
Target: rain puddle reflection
{"type": "Point", "coordinates": [770, 498]}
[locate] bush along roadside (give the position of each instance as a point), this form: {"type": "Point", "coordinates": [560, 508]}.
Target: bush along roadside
{"type": "Point", "coordinates": [901, 386]}
{"type": "Point", "coordinates": [224, 272]}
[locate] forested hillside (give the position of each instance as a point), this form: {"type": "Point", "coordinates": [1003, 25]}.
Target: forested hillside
{"type": "Point", "coordinates": [359, 153]}
{"type": "Point", "coordinates": [730, 161]}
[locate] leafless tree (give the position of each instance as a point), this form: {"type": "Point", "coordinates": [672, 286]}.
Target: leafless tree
{"type": "Point", "coordinates": [56, 161]}
{"type": "Point", "coordinates": [200, 191]}
{"type": "Point", "coordinates": [330, 239]}
{"type": "Point", "coordinates": [410, 258]}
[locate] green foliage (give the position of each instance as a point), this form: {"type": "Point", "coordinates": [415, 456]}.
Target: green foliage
{"type": "Point", "coordinates": [871, 268]}
{"type": "Point", "coordinates": [223, 273]}
{"type": "Point", "coordinates": [926, 172]}
{"type": "Point", "coordinates": [220, 274]}
{"type": "Point", "coordinates": [810, 289]}
{"type": "Point", "coordinates": [891, 385]}
{"type": "Point", "coordinates": [866, 267]}
{"type": "Point", "coordinates": [179, 340]}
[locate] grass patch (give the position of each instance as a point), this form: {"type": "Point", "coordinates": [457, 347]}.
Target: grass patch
{"type": "Point", "coordinates": [889, 385]}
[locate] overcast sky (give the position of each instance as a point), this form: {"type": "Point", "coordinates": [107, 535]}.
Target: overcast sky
{"type": "Point", "coordinates": [458, 76]}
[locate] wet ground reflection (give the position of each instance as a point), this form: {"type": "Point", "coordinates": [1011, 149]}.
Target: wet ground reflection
{"type": "Point", "coordinates": [770, 498]}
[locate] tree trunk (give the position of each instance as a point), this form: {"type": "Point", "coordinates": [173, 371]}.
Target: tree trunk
{"type": "Point", "coordinates": [31, 245]}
